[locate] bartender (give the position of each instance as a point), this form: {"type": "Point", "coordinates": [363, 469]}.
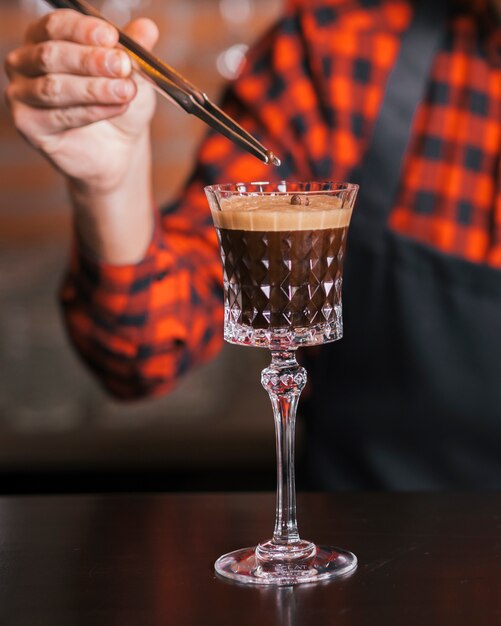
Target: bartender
{"type": "Point", "coordinates": [403, 97]}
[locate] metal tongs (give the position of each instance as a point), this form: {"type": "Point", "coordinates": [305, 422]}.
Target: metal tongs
{"type": "Point", "coordinates": [178, 89]}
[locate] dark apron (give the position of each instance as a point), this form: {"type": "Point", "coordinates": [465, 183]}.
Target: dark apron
{"type": "Point", "coordinates": [410, 398]}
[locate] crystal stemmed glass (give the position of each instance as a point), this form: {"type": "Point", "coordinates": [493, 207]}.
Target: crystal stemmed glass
{"type": "Point", "coordinates": [282, 248]}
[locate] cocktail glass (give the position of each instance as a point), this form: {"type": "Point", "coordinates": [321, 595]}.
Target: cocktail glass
{"type": "Point", "coordinates": [282, 248]}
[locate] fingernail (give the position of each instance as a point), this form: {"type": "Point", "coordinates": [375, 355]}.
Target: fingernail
{"type": "Point", "coordinates": [117, 63]}
{"type": "Point", "coordinates": [103, 36]}
{"type": "Point", "coordinates": [123, 89]}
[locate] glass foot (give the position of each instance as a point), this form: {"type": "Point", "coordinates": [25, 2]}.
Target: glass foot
{"type": "Point", "coordinates": [325, 563]}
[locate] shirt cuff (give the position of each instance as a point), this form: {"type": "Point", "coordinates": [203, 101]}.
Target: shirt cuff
{"type": "Point", "coordinates": [111, 288]}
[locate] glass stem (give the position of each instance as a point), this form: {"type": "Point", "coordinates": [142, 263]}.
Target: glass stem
{"type": "Point", "coordinates": [284, 380]}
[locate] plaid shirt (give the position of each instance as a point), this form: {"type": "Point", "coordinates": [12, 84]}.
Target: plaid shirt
{"type": "Point", "coordinates": [311, 90]}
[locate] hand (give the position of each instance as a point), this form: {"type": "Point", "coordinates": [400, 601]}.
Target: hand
{"type": "Point", "coordinates": [72, 96]}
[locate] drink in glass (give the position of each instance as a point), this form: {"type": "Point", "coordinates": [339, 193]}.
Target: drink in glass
{"type": "Point", "coordinates": [282, 248]}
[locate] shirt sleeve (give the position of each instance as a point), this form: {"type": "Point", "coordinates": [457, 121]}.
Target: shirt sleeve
{"type": "Point", "coordinates": [140, 327]}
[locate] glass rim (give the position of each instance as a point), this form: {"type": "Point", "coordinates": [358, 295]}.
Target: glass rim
{"type": "Point", "coordinates": [298, 187]}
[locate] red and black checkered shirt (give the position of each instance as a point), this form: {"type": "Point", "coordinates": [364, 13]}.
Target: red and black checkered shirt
{"type": "Point", "coordinates": [311, 91]}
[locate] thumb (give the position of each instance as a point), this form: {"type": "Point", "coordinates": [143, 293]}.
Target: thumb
{"type": "Point", "coordinates": [144, 31]}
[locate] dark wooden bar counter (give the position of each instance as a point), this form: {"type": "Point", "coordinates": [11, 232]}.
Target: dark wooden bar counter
{"type": "Point", "coordinates": [147, 560]}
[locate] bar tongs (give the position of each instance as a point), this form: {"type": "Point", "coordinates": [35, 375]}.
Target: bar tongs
{"type": "Point", "coordinates": [175, 87]}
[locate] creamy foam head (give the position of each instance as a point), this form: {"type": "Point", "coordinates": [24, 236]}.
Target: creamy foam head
{"type": "Point", "coordinates": [276, 213]}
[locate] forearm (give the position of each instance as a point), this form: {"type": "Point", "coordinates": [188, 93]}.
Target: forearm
{"type": "Point", "coordinates": [115, 223]}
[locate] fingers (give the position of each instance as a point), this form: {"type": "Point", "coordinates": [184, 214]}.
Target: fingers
{"type": "Point", "coordinates": [70, 74]}
{"type": "Point", "coordinates": [61, 90]}
{"type": "Point", "coordinates": [63, 57]}
{"type": "Point", "coordinates": [68, 25]}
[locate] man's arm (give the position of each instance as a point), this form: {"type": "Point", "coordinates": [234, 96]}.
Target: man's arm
{"type": "Point", "coordinates": [140, 322]}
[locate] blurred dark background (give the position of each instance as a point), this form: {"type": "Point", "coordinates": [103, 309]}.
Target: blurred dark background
{"type": "Point", "coordinates": [58, 431]}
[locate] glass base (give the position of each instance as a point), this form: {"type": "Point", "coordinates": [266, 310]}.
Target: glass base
{"type": "Point", "coordinates": [286, 337]}
{"type": "Point", "coordinates": [324, 563]}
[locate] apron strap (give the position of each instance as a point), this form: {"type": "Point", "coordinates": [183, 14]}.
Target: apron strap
{"type": "Point", "coordinates": [380, 172]}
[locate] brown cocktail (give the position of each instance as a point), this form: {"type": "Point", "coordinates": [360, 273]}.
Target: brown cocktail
{"type": "Point", "coordinates": [283, 262]}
